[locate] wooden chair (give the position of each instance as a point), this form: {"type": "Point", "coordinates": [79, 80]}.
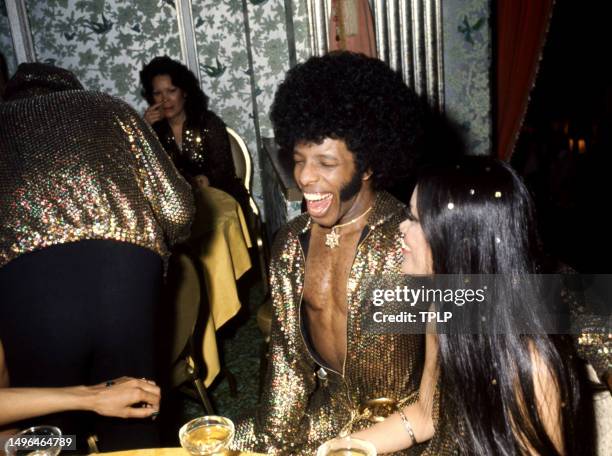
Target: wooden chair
{"type": "Point", "coordinates": [244, 170]}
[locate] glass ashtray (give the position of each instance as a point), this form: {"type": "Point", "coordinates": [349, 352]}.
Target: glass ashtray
{"type": "Point", "coordinates": [35, 441]}
{"type": "Point", "coordinates": [206, 435]}
{"type": "Point", "coordinates": [346, 446]}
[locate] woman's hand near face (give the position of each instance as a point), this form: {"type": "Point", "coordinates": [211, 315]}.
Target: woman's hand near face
{"type": "Point", "coordinates": [154, 113]}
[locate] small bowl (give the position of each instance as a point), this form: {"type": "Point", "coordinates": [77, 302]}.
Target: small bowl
{"type": "Point", "coordinates": [40, 450]}
{"type": "Point", "coordinates": [346, 446]}
{"type": "Point", "coordinates": [206, 435]}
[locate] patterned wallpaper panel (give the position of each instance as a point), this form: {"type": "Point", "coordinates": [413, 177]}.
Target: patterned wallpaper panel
{"type": "Point", "coordinates": [300, 30]}
{"type": "Point", "coordinates": [270, 55]}
{"type": "Point", "coordinates": [226, 64]}
{"type": "Point", "coordinates": [467, 62]}
{"type": "Point", "coordinates": [105, 42]}
{"type": "Point", "coordinates": [225, 70]}
{"type": "Point", "coordinates": [6, 43]}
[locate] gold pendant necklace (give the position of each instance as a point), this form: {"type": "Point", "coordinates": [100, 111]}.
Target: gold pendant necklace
{"type": "Point", "coordinates": [332, 239]}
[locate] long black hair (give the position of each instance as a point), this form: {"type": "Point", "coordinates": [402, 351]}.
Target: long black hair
{"type": "Point", "coordinates": [196, 101]}
{"type": "Point", "coordinates": [478, 218]}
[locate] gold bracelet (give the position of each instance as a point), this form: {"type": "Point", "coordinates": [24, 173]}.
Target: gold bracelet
{"type": "Point", "coordinates": [407, 427]}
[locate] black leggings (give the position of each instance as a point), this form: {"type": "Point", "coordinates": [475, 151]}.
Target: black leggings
{"type": "Point", "coordinates": [83, 313]}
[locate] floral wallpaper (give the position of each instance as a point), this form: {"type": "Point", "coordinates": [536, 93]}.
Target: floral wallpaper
{"type": "Point", "coordinates": [6, 43]}
{"type": "Point", "coordinates": [270, 55]}
{"type": "Point", "coordinates": [226, 64]}
{"type": "Point", "coordinates": [300, 30]}
{"type": "Point", "coordinates": [105, 42]}
{"type": "Point", "coordinates": [467, 63]}
{"type": "Point", "coordinates": [225, 70]}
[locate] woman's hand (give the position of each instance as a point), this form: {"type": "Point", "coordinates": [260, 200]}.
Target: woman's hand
{"type": "Point", "coordinates": [126, 397]}
{"type": "Point", "coordinates": [154, 113]}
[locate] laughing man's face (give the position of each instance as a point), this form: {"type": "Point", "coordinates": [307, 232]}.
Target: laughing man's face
{"type": "Point", "coordinates": [328, 177]}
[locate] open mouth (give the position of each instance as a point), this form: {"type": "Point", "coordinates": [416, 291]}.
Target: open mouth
{"type": "Point", "coordinates": [318, 203]}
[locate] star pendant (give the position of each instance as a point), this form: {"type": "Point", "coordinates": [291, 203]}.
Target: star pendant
{"type": "Point", "coordinates": [332, 239]}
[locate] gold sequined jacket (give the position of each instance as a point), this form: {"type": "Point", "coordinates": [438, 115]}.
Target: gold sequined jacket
{"type": "Point", "coordinates": [82, 165]}
{"type": "Point", "coordinates": [305, 402]}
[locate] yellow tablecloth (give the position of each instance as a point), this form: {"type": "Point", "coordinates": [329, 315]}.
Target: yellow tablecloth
{"type": "Point", "coordinates": [220, 241]}
{"type": "Point", "coordinates": [170, 452]}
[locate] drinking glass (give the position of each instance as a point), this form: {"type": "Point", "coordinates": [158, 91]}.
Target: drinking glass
{"type": "Point", "coordinates": [34, 441]}
{"type": "Point", "coordinates": [206, 435]}
{"type": "Point", "coordinates": [346, 446]}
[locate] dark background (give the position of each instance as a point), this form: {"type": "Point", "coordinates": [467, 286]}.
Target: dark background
{"type": "Point", "coordinates": [572, 101]}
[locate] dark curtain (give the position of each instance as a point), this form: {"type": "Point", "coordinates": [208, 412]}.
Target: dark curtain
{"type": "Point", "coordinates": [521, 32]}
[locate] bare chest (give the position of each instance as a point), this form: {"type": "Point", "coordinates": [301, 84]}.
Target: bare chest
{"type": "Point", "coordinates": [325, 300]}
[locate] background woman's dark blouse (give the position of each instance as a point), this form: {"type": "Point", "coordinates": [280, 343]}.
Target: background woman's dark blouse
{"type": "Point", "coordinates": [205, 150]}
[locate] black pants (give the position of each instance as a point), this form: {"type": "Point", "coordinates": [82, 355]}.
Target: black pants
{"type": "Point", "coordinates": [83, 313]}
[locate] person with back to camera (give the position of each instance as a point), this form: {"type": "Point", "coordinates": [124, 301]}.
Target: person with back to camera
{"type": "Point", "coordinates": [90, 204]}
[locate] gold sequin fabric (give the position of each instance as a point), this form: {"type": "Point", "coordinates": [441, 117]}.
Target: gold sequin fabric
{"type": "Point", "coordinates": [303, 406]}
{"type": "Point", "coordinates": [82, 165]}
{"type": "Point", "coordinates": [593, 340]}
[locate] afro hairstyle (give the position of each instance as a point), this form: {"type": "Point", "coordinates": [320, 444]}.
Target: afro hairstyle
{"type": "Point", "coordinates": [357, 99]}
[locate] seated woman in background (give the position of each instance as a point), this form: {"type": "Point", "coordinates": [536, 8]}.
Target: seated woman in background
{"type": "Point", "coordinates": [504, 393]}
{"type": "Point", "coordinates": [194, 137]}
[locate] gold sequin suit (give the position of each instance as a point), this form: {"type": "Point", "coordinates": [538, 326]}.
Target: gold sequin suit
{"type": "Point", "coordinates": [303, 406]}
{"type": "Point", "coordinates": [100, 173]}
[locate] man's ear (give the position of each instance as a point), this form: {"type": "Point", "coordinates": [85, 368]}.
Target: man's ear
{"type": "Point", "coordinates": [367, 174]}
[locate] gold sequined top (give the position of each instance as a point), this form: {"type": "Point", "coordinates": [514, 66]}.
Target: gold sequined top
{"type": "Point", "coordinates": [593, 340]}
{"type": "Point", "coordinates": [83, 165]}
{"type": "Point", "coordinates": [305, 404]}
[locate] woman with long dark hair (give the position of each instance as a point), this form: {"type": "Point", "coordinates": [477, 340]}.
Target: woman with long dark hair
{"type": "Point", "coordinates": [499, 392]}
{"type": "Point", "coordinates": [194, 137]}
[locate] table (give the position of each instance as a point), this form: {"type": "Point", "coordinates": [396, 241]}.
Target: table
{"type": "Point", "coordinates": [219, 242]}
{"type": "Point", "coordinates": [171, 452]}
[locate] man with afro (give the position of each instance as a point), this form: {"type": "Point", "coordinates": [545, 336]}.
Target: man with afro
{"type": "Point", "coordinates": [351, 128]}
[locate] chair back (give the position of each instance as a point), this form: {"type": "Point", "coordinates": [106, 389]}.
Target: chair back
{"type": "Point", "coordinates": [244, 169]}
{"type": "Point", "coordinates": [241, 157]}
